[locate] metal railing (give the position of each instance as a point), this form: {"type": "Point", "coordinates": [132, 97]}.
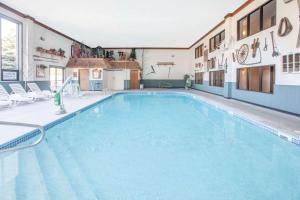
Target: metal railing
{"type": "Point", "coordinates": [17, 148]}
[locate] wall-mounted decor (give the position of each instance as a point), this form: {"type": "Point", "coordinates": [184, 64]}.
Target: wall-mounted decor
{"type": "Point", "coordinates": [75, 74]}
{"type": "Point", "coordinates": [54, 52]}
{"type": "Point", "coordinates": [41, 71]}
{"type": "Point", "coordinates": [275, 50]}
{"type": "Point", "coordinates": [9, 75]}
{"type": "Point", "coordinates": [243, 57]}
{"type": "Point", "coordinates": [254, 47]}
{"type": "Point", "coordinates": [96, 73]}
{"type": "Point", "coordinates": [285, 27]}
{"type": "Point", "coordinates": [266, 45]}
{"type": "Point", "coordinates": [242, 53]}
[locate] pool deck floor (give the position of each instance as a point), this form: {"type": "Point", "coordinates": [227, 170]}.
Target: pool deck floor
{"type": "Point", "coordinates": [43, 112]}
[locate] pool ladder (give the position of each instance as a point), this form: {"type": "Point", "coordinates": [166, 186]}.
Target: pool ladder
{"type": "Point", "coordinates": [17, 148]}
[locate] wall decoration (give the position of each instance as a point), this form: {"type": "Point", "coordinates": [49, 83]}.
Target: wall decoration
{"type": "Point", "coordinates": [41, 71]}
{"type": "Point", "coordinates": [96, 73]}
{"type": "Point", "coordinates": [275, 50]}
{"type": "Point", "coordinates": [285, 27]}
{"type": "Point", "coordinates": [266, 45]}
{"type": "Point", "coordinates": [9, 75]}
{"type": "Point", "coordinates": [54, 52]}
{"type": "Point", "coordinates": [75, 74]}
{"type": "Point", "coordinates": [243, 57]}
{"type": "Point", "coordinates": [254, 47]}
{"type": "Point", "coordinates": [298, 40]}
{"type": "Point", "coordinates": [242, 53]}
{"type": "Point", "coordinates": [152, 70]}
{"type": "Point", "coordinates": [233, 57]}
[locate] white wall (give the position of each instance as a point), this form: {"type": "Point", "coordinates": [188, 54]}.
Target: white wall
{"type": "Point", "coordinates": [31, 33]}
{"type": "Point", "coordinates": [150, 57]}
{"type": "Point", "coordinates": [285, 45]}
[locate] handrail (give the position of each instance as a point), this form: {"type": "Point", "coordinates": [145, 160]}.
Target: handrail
{"type": "Point", "coordinates": [17, 148]}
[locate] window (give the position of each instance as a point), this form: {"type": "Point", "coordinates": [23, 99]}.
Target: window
{"type": "Point", "coordinates": [254, 22]}
{"type": "Point", "coordinates": [291, 63]}
{"type": "Point", "coordinates": [199, 51]}
{"type": "Point", "coordinates": [215, 41]}
{"type": "Point", "coordinates": [56, 77]}
{"type": "Point", "coordinates": [10, 49]}
{"type": "Point", "coordinates": [258, 79]}
{"type": "Point", "coordinates": [216, 78]}
{"type": "Point", "coordinates": [269, 14]}
{"type": "Point", "coordinates": [243, 28]}
{"type": "Point", "coordinates": [199, 78]}
{"type": "Point", "coordinates": [262, 18]}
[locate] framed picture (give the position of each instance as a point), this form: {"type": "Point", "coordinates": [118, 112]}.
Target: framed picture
{"type": "Point", "coordinates": [96, 73]}
{"type": "Point", "coordinates": [41, 71]}
{"type": "Point", "coordinates": [75, 74]}
{"type": "Point", "coordinates": [9, 75]}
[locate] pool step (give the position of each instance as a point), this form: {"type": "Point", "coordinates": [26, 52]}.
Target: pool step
{"type": "Point", "coordinates": [30, 183]}
{"type": "Point", "coordinates": [59, 188]}
{"type": "Point", "coordinates": [8, 174]}
{"type": "Point", "coordinates": [72, 170]}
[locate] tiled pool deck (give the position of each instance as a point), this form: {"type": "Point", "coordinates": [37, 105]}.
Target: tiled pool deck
{"type": "Point", "coordinates": [43, 113]}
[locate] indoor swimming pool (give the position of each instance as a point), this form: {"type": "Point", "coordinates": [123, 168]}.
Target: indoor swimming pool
{"type": "Point", "coordinates": [156, 146]}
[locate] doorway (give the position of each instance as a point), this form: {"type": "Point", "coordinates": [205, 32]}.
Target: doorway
{"type": "Point", "coordinates": [84, 79]}
{"type": "Point", "coordinates": [134, 78]}
{"type": "Point", "coordinates": [56, 76]}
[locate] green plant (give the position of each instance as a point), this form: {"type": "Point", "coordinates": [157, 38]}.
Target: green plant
{"type": "Point", "coordinates": [186, 77]}
{"type": "Point", "coordinates": [132, 54]}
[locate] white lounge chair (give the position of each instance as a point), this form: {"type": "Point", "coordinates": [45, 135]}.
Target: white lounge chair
{"type": "Point", "coordinates": [36, 89]}
{"type": "Point", "coordinates": [18, 89]}
{"type": "Point", "coordinates": [6, 98]}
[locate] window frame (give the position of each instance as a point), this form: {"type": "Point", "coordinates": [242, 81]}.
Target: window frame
{"type": "Point", "coordinates": [199, 76]}
{"type": "Point", "coordinates": [19, 48]}
{"type": "Point", "coordinates": [199, 51]}
{"type": "Point", "coordinates": [218, 78]}
{"type": "Point", "coordinates": [219, 35]}
{"type": "Point", "coordinates": [260, 77]}
{"type": "Point", "coordinates": [261, 26]}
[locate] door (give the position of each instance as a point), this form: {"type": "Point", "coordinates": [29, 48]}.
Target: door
{"type": "Point", "coordinates": [134, 76]}
{"type": "Point", "coordinates": [84, 79]}
{"type": "Point", "coordinates": [56, 77]}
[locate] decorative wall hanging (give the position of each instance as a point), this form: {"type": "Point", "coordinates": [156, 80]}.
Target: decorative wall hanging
{"type": "Point", "coordinates": [298, 40]}
{"type": "Point", "coordinates": [54, 52]}
{"type": "Point", "coordinates": [254, 47]}
{"type": "Point", "coordinates": [266, 45]}
{"type": "Point", "coordinates": [275, 50]}
{"type": "Point", "coordinates": [242, 54]}
{"type": "Point", "coordinates": [41, 71]}
{"type": "Point", "coordinates": [152, 70]}
{"type": "Point", "coordinates": [96, 73]}
{"type": "Point", "coordinates": [243, 57]}
{"type": "Point", "coordinates": [285, 27]}
{"type": "Point", "coordinates": [233, 57]}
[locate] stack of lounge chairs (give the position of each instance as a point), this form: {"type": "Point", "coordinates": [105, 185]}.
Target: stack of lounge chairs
{"type": "Point", "coordinates": [19, 94]}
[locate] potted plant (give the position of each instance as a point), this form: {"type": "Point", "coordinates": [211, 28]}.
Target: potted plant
{"type": "Point", "coordinates": [188, 81]}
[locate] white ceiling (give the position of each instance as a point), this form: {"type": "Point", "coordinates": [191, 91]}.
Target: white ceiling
{"type": "Point", "coordinates": [120, 23]}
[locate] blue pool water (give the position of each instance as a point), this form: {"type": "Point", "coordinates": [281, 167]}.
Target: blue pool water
{"type": "Point", "coordinates": [158, 147]}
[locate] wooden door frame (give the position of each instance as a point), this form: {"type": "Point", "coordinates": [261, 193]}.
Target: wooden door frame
{"type": "Point", "coordinates": [87, 77]}
{"type": "Point", "coordinates": [137, 82]}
